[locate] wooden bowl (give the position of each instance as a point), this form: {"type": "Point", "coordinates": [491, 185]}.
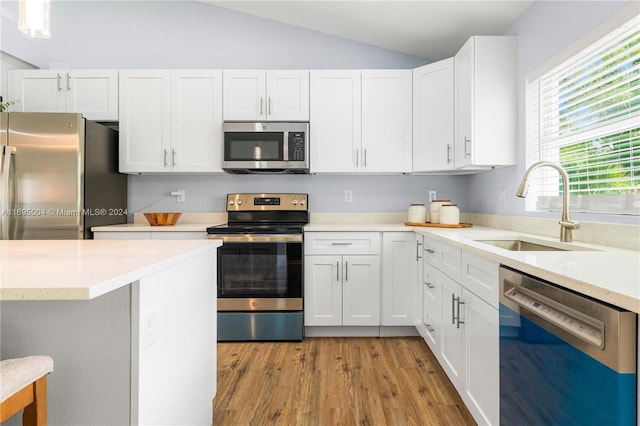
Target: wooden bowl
{"type": "Point", "coordinates": [162, 219]}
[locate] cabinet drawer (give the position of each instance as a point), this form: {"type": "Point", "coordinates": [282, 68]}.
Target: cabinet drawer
{"type": "Point", "coordinates": [342, 243]}
{"type": "Point", "coordinates": [443, 256]}
{"type": "Point", "coordinates": [480, 276]}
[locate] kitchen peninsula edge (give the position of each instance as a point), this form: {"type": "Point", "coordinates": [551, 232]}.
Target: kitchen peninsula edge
{"type": "Point", "coordinates": [118, 318]}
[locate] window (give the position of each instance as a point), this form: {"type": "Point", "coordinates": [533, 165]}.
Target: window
{"type": "Point", "coordinates": [585, 115]}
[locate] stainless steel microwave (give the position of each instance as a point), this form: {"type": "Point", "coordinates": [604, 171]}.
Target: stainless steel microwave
{"type": "Point", "coordinates": [265, 147]}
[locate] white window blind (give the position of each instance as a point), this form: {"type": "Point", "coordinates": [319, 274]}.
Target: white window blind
{"type": "Point", "coordinates": [585, 115]}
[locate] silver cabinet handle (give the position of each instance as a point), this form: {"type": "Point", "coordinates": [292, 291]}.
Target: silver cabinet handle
{"type": "Point", "coordinates": [467, 147]}
{"type": "Point", "coordinates": [341, 244]}
{"type": "Point", "coordinates": [453, 308]}
{"type": "Point", "coordinates": [357, 157]}
{"type": "Point", "coordinates": [418, 244]}
{"type": "Point", "coordinates": [59, 83]}
{"type": "Point", "coordinates": [346, 271]}
{"type": "Point", "coordinates": [261, 101]}
{"type": "Point", "coordinates": [430, 251]}
{"type": "Point", "coordinates": [429, 285]}
{"type": "Point", "coordinates": [430, 329]}
{"type": "Point", "coordinates": [164, 161]}
{"type": "Point", "coordinates": [269, 105]}
{"type": "Point", "coordinates": [173, 157]}
{"type": "Point", "coordinates": [337, 270]}
{"type": "Point", "coordinates": [460, 302]}
{"type": "Point", "coordinates": [448, 153]}
{"type": "Point", "coordinates": [364, 160]}
{"type": "Point", "coordinates": [68, 82]}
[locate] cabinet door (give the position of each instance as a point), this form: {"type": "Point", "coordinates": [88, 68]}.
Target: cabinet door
{"type": "Point", "coordinates": [94, 93]}
{"type": "Point", "coordinates": [145, 121]}
{"type": "Point", "coordinates": [196, 121]}
{"type": "Point", "coordinates": [386, 121]}
{"type": "Point", "coordinates": [432, 308]}
{"type": "Point", "coordinates": [335, 117]}
{"type": "Point", "coordinates": [433, 117]}
{"type": "Point", "coordinates": [482, 379]}
{"type": "Point", "coordinates": [452, 345]}
{"type": "Point", "coordinates": [419, 267]}
{"type": "Point", "coordinates": [287, 95]}
{"type": "Point", "coordinates": [37, 90]}
{"type": "Point", "coordinates": [323, 290]}
{"type": "Point", "coordinates": [464, 104]}
{"type": "Point", "coordinates": [244, 94]}
{"type": "Point", "coordinates": [485, 102]}
{"type": "Point", "coordinates": [398, 278]}
{"type": "Point", "coordinates": [361, 290]}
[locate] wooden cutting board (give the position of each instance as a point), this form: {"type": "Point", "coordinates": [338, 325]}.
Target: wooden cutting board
{"type": "Point", "coordinates": [439, 225]}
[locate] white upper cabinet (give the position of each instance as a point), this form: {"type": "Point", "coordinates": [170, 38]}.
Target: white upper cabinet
{"type": "Point", "coordinates": [170, 121]}
{"type": "Point", "coordinates": [360, 121]}
{"type": "Point", "coordinates": [485, 103]}
{"type": "Point", "coordinates": [386, 121]}
{"type": "Point", "coordinates": [94, 93]}
{"type": "Point", "coordinates": [335, 120]}
{"type": "Point", "coordinates": [258, 95]}
{"type": "Point", "coordinates": [433, 117]}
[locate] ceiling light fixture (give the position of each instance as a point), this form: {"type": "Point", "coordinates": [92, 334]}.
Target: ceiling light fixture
{"type": "Point", "coordinates": [34, 18]}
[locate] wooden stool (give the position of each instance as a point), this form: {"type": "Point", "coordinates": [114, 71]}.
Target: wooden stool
{"type": "Point", "coordinates": [23, 385]}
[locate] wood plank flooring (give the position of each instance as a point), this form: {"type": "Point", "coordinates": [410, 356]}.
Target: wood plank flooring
{"type": "Point", "coordinates": [334, 381]}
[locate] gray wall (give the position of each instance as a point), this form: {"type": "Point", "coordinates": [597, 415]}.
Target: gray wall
{"type": "Point", "coordinates": [180, 34]}
{"type": "Point", "coordinates": [544, 29]}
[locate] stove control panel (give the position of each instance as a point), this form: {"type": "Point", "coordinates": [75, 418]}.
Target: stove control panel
{"type": "Point", "coordinates": [254, 202]}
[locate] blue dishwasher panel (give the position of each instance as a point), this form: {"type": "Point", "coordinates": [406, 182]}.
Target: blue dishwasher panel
{"type": "Point", "coordinates": [546, 381]}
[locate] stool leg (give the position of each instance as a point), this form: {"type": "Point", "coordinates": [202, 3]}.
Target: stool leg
{"type": "Point", "coordinates": [35, 414]}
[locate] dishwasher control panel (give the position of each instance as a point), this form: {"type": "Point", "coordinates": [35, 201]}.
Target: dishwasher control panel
{"type": "Point", "coordinates": [575, 323]}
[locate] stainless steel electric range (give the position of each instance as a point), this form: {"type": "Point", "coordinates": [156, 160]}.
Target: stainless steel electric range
{"type": "Point", "coordinates": [260, 267]}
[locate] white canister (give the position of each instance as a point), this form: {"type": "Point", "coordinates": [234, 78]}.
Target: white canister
{"type": "Point", "coordinates": [434, 209]}
{"type": "Point", "coordinates": [417, 213]}
{"type": "Point", "coordinates": [449, 214]}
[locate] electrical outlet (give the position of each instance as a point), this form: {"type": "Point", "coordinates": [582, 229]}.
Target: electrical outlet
{"type": "Point", "coordinates": [502, 197]}
{"type": "Point", "coordinates": [432, 196]}
{"type": "Point", "coordinates": [348, 196]}
{"type": "Point", "coordinates": [149, 328]}
{"type": "Point", "coordinates": [179, 194]}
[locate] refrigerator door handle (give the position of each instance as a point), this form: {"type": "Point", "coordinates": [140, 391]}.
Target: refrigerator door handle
{"type": "Point", "coordinates": [5, 207]}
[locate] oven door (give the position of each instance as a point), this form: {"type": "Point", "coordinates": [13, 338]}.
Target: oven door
{"type": "Point", "coordinates": [260, 273]}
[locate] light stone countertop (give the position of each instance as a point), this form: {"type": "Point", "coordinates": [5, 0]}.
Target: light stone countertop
{"type": "Point", "coordinates": [85, 269]}
{"type": "Point", "coordinates": [605, 273]}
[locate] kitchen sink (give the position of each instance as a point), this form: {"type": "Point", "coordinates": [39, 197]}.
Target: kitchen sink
{"type": "Point", "coordinates": [519, 244]}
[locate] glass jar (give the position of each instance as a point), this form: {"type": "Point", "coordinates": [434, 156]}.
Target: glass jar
{"type": "Point", "coordinates": [417, 213]}
{"type": "Point", "coordinates": [434, 209]}
{"type": "Point", "coordinates": [449, 214]}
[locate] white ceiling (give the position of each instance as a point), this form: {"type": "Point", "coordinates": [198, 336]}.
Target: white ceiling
{"type": "Point", "coordinates": [428, 29]}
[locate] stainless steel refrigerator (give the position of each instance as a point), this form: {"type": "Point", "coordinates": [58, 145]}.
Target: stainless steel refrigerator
{"type": "Point", "coordinates": [58, 176]}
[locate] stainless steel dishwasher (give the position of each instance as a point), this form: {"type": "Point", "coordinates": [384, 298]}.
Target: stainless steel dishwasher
{"type": "Point", "coordinates": [565, 359]}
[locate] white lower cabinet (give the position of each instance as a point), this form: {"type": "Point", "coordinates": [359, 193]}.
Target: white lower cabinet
{"type": "Point", "coordinates": [342, 290]}
{"type": "Point", "coordinates": [342, 279]}
{"type": "Point", "coordinates": [462, 322]}
{"type": "Point", "coordinates": [399, 256]}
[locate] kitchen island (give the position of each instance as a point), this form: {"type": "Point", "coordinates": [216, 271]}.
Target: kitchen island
{"type": "Point", "coordinates": [130, 325]}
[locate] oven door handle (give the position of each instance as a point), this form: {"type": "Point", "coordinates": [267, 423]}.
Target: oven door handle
{"type": "Point", "coordinates": [257, 238]}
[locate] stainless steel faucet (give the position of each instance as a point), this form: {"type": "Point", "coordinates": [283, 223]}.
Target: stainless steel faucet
{"type": "Point", "coordinates": [566, 224]}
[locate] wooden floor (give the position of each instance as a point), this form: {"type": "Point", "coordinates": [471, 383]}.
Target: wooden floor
{"type": "Point", "coordinates": [335, 381]}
